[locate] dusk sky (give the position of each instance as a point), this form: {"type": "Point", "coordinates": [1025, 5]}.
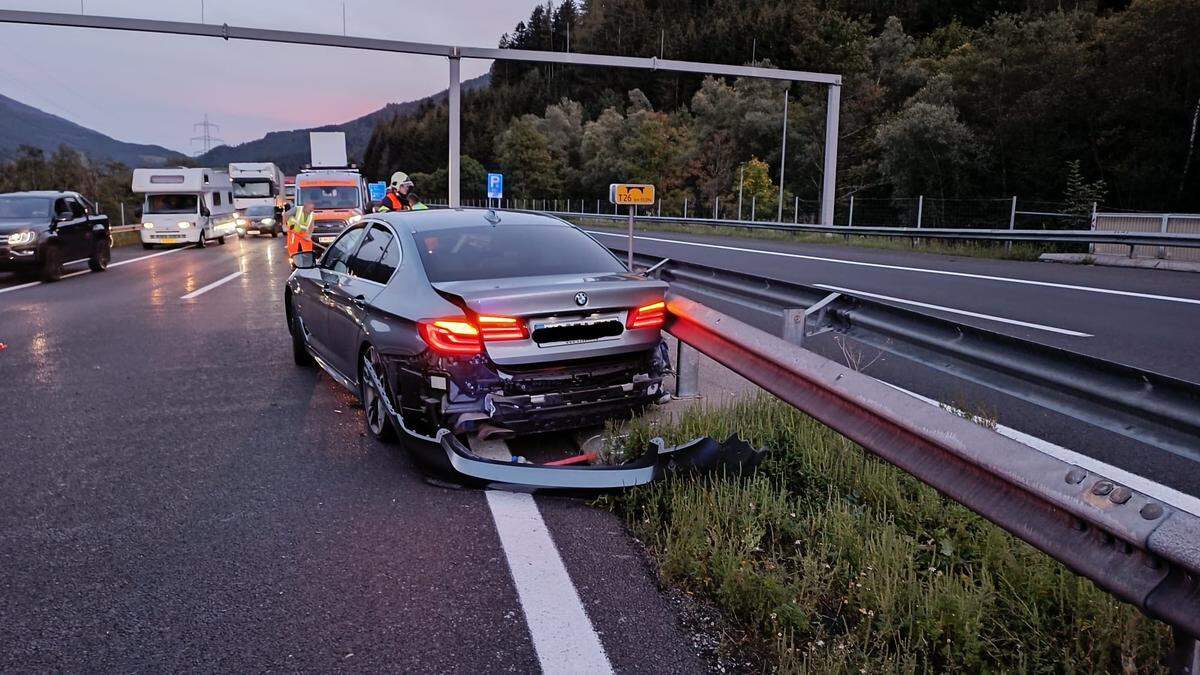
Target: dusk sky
{"type": "Point", "coordinates": [151, 88]}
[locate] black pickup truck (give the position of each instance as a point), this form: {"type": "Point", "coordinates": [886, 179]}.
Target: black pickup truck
{"type": "Point", "coordinates": [41, 231]}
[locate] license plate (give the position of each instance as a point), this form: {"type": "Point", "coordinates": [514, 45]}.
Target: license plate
{"type": "Point", "coordinates": [170, 241]}
{"type": "Point", "coordinates": [325, 240]}
{"type": "Point", "coordinates": [251, 231]}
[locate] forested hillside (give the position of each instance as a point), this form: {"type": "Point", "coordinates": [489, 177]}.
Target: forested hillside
{"type": "Point", "coordinates": [943, 99]}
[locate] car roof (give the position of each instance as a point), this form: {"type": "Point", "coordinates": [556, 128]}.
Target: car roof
{"type": "Point", "coordinates": [40, 193]}
{"type": "Point", "coordinates": [441, 219]}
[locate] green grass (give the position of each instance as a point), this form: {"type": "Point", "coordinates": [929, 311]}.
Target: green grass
{"type": "Point", "coordinates": [828, 560]}
{"type": "Point", "coordinates": [974, 249]}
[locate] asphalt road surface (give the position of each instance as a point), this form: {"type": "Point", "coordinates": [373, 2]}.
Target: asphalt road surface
{"type": "Point", "coordinates": [1149, 319]}
{"type": "Point", "coordinates": [177, 495]}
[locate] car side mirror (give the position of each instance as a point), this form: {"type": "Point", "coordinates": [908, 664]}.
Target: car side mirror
{"type": "Point", "coordinates": [304, 260]}
{"type": "Point", "coordinates": [63, 215]}
{"type": "Point", "coordinates": [205, 212]}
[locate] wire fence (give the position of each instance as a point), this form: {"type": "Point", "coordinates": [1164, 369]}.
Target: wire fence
{"type": "Point", "coordinates": [920, 211]}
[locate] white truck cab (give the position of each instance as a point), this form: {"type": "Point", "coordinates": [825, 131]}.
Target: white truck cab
{"type": "Point", "coordinates": [185, 206]}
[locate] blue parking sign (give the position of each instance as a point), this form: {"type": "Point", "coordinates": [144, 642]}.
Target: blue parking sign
{"type": "Point", "coordinates": [377, 190]}
{"type": "Point", "coordinates": [495, 185]}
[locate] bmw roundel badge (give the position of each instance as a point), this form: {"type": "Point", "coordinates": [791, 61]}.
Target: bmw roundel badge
{"type": "Point", "coordinates": [581, 298]}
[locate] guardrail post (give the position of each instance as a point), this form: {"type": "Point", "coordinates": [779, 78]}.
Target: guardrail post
{"type": "Point", "coordinates": [687, 371]}
{"type": "Point", "coordinates": [1185, 658]}
{"type": "Point", "coordinates": [793, 326]}
{"type": "Point", "coordinates": [1166, 220]}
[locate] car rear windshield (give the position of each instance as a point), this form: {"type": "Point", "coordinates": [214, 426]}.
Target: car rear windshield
{"type": "Point", "coordinates": [253, 188]}
{"type": "Point", "coordinates": [24, 207]}
{"type": "Point", "coordinates": [503, 251]}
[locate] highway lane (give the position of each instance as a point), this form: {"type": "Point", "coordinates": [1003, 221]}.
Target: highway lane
{"type": "Point", "coordinates": [1110, 305]}
{"type": "Point", "coordinates": [1153, 333]}
{"type": "Point", "coordinates": [177, 494]}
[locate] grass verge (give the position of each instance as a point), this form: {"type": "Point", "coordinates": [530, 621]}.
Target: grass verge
{"type": "Point", "coordinates": [974, 249]}
{"type": "Point", "coordinates": [831, 560]}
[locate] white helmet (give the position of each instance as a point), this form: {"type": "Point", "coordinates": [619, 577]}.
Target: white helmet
{"type": "Point", "coordinates": [398, 179]}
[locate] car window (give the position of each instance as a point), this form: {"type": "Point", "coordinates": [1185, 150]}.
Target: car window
{"type": "Point", "coordinates": [378, 256]}
{"type": "Point", "coordinates": [216, 198]}
{"type": "Point", "coordinates": [76, 208]}
{"type": "Point", "coordinates": [60, 205]}
{"type": "Point", "coordinates": [516, 250]}
{"type": "Point", "coordinates": [337, 258]}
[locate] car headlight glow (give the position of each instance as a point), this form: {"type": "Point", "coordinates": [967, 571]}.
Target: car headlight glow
{"type": "Point", "coordinates": [267, 221]}
{"type": "Point", "coordinates": [241, 221]}
{"type": "Point", "coordinates": [183, 224]}
{"type": "Point", "coordinates": [353, 219]}
{"type": "Point", "coordinates": [148, 226]}
{"type": "Point", "coordinates": [22, 238]}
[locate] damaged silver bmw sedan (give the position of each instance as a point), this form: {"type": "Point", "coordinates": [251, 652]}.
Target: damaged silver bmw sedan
{"type": "Point", "coordinates": [458, 324]}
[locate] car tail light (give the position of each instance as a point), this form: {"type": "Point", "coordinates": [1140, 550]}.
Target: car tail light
{"type": "Point", "coordinates": [460, 337]}
{"type": "Point", "coordinates": [648, 316]}
{"type": "Point", "coordinates": [451, 336]}
{"type": "Point", "coordinates": [500, 328]}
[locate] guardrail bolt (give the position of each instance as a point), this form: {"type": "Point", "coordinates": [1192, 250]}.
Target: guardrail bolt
{"type": "Point", "coordinates": [1102, 488]}
{"type": "Point", "coordinates": [1151, 511]}
{"type": "Point", "coordinates": [1120, 495]}
{"type": "Point", "coordinates": [1076, 476]}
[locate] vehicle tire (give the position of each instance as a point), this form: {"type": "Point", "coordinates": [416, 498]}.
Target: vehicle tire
{"type": "Point", "coordinates": [375, 415]}
{"type": "Point", "coordinates": [299, 351]}
{"type": "Point", "coordinates": [221, 240]}
{"type": "Point", "coordinates": [274, 233]}
{"type": "Point", "coordinates": [201, 242]}
{"type": "Point", "coordinates": [147, 246]}
{"type": "Point", "coordinates": [52, 264]}
{"type": "Point", "coordinates": [100, 256]}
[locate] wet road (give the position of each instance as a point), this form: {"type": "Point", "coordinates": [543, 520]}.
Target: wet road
{"type": "Point", "coordinates": [177, 494]}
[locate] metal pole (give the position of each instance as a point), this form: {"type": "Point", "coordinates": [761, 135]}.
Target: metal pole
{"type": "Point", "coordinates": [741, 182]}
{"type": "Point", "coordinates": [850, 221]}
{"type": "Point", "coordinates": [597, 207]}
{"type": "Point", "coordinates": [455, 113]}
{"type": "Point", "coordinates": [920, 209]}
{"type": "Point", "coordinates": [753, 204]}
{"type": "Point", "coordinates": [716, 207]}
{"type": "Point", "coordinates": [782, 157]}
{"type": "Point", "coordinates": [1166, 220]}
{"type": "Point", "coordinates": [122, 214]}
{"type": "Point", "coordinates": [796, 211]}
{"type": "Point", "coordinates": [1012, 222]}
{"type": "Point", "coordinates": [659, 207]}
{"type": "Point", "coordinates": [632, 208]}
{"type": "Point", "coordinates": [829, 177]}
{"type": "Point", "coordinates": [685, 208]}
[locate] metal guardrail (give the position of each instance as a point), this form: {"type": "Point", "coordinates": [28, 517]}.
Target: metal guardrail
{"type": "Point", "coordinates": [1130, 239]}
{"type": "Point", "coordinates": [1147, 407]}
{"type": "Point", "coordinates": [1141, 550]}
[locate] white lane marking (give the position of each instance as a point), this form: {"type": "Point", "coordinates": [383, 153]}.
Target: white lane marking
{"type": "Point", "coordinates": [987, 277]}
{"type": "Point", "coordinates": [204, 289]}
{"type": "Point", "coordinates": [562, 634]}
{"type": "Point", "coordinates": [951, 310]}
{"type": "Point", "coordinates": [151, 255]}
{"type": "Point", "coordinates": [75, 274]}
{"type": "Point", "coordinates": [1167, 495]}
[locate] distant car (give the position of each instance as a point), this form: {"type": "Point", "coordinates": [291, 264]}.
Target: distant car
{"type": "Point", "coordinates": [42, 231]}
{"type": "Point", "coordinates": [260, 219]}
{"type": "Point", "coordinates": [479, 322]}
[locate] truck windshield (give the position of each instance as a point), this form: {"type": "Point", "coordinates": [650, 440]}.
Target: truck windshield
{"type": "Point", "coordinates": [330, 196]}
{"type": "Point", "coordinates": [24, 207]}
{"type": "Point", "coordinates": [170, 204]}
{"type": "Point", "coordinates": [253, 187]}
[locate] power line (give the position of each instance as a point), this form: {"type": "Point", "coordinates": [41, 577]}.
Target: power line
{"type": "Point", "coordinates": [206, 137]}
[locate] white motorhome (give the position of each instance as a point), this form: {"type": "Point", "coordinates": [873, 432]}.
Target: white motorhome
{"type": "Point", "coordinates": [185, 206]}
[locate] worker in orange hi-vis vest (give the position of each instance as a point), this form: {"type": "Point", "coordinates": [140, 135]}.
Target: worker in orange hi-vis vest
{"type": "Point", "coordinates": [299, 234]}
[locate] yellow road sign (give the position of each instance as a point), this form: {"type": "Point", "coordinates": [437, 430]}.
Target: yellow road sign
{"type": "Point", "coordinates": [630, 194]}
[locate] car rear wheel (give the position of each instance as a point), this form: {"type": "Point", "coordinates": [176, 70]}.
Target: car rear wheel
{"type": "Point", "coordinates": [379, 424]}
{"type": "Point", "coordinates": [299, 349]}
{"type": "Point", "coordinates": [100, 256]}
{"type": "Point", "coordinates": [147, 246]}
{"type": "Point", "coordinates": [274, 233]}
{"type": "Point", "coordinates": [52, 264]}
{"type": "Point", "coordinates": [221, 240]}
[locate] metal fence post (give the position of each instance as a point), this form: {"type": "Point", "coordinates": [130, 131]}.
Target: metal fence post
{"type": "Point", "coordinates": [741, 181]}
{"type": "Point", "coordinates": [122, 214]}
{"type": "Point", "coordinates": [920, 209]}
{"type": "Point", "coordinates": [597, 207]}
{"type": "Point", "coordinates": [850, 220]}
{"type": "Point", "coordinates": [1166, 220]}
{"type": "Point", "coordinates": [687, 371]}
{"type": "Point", "coordinates": [796, 211]}
{"type": "Point", "coordinates": [1012, 222]}
{"type": "Point", "coordinates": [753, 205]}
{"type": "Point", "coordinates": [716, 207]}
{"type": "Point", "coordinates": [685, 208]}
